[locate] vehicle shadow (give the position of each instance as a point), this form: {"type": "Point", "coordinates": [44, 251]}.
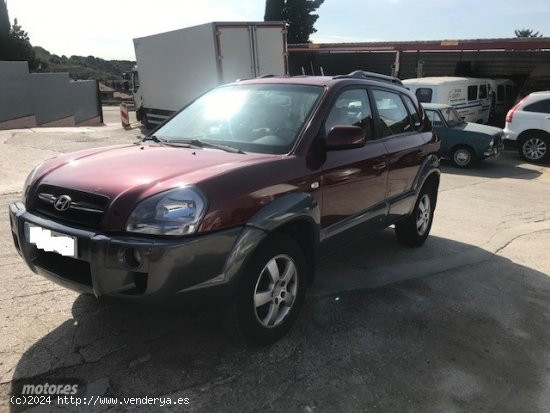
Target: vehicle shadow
{"type": "Point", "coordinates": [386, 329]}
{"type": "Point", "coordinates": [507, 165]}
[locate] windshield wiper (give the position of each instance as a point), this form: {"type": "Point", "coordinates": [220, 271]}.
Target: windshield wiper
{"type": "Point", "coordinates": [154, 139]}
{"type": "Point", "coordinates": [203, 144]}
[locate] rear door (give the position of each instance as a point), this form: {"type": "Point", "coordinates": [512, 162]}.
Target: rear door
{"type": "Point", "coordinates": [353, 180]}
{"type": "Point", "coordinates": [270, 50]}
{"type": "Point", "coordinates": [398, 126]}
{"type": "Point", "coordinates": [235, 51]}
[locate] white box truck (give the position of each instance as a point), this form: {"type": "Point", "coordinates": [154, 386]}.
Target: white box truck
{"type": "Point", "coordinates": [174, 68]}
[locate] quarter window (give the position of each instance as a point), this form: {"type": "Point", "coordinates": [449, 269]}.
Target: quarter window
{"type": "Point", "coordinates": [394, 118]}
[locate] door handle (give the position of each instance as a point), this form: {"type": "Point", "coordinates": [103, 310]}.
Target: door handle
{"type": "Point", "coordinates": [379, 166]}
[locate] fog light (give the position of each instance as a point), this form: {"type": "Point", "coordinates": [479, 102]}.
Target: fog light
{"type": "Point", "coordinates": [132, 257]}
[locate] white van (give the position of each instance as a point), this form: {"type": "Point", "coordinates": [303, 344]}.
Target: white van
{"type": "Point", "coordinates": [506, 92]}
{"type": "Point", "coordinates": [471, 97]}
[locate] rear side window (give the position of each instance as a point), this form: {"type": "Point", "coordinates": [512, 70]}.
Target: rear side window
{"type": "Point", "coordinates": [472, 92]}
{"type": "Point", "coordinates": [424, 94]}
{"type": "Point", "coordinates": [394, 118]}
{"type": "Point", "coordinates": [542, 106]}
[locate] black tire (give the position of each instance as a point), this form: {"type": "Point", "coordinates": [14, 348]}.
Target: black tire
{"type": "Point", "coordinates": [463, 157]}
{"type": "Point", "coordinates": [408, 230]}
{"type": "Point", "coordinates": [253, 321]}
{"type": "Point", "coordinates": [535, 147]}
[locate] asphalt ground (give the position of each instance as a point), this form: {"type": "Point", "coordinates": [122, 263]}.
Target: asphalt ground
{"type": "Point", "coordinates": [458, 325]}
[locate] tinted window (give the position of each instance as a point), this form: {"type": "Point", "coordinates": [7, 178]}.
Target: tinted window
{"type": "Point", "coordinates": [542, 106]}
{"type": "Point", "coordinates": [413, 112]}
{"type": "Point", "coordinates": [351, 108]}
{"type": "Point", "coordinates": [394, 118]}
{"type": "Point", "coordinates": [424, 94]}
{"type": "Point", "coordinates": [472, 92]}
{"type": "Point", "coordinates": [483, 91]}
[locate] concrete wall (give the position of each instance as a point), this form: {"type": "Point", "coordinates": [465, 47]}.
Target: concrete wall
{"type": "Point", "coordinates": [45, 99]}
{"type": "Point", "coordinates": [15, 99]}
{"type": "Point", "coordinates": [84, 95]}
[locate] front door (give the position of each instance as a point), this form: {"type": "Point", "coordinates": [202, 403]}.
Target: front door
{"type": "Point", "coordinates": [353, 181]}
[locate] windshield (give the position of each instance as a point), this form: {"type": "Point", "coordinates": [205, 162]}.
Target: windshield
{"type": "Point", "coordinates": [252, 118]}
{"type": "Point", "coordinates": [451, 117]}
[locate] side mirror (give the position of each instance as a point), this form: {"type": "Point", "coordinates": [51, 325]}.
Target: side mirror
{"type": "Point", "coordinates": [125, 86]}
{"type": "Point", "coordinates": [345, 137]}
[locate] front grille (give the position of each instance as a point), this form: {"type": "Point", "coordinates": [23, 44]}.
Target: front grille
{"type": "Point", "coordinates": [85, 209]}
{"type": "Point", "coordinates": [65, 267]}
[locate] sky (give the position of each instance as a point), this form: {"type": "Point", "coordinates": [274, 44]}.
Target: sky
{"type": "Point", "coordinates": [105, 28]}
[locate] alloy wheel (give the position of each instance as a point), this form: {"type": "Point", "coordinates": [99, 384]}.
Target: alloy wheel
{"type": "Point", "coordinates": [423, 214]}
{"type": "Point", "coordinates": [275, 291]}
{"type": "Point", "coordinates": [534, 149]}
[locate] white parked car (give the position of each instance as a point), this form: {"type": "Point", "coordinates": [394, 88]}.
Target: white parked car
{"type": "Point", "coordinates": [528, 124]}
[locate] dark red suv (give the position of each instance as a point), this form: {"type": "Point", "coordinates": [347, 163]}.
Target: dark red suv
{"type": "Point", "coordinates": [234, 198]}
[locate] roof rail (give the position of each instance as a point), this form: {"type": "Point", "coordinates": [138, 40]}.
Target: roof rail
{"type": "Point", "coordinates": [361, 74]}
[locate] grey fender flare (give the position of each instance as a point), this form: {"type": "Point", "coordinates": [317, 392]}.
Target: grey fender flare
{"type": "Point", "coordinates": [283, 210]}
{"type": "Point", "coordinates": [428, 169]}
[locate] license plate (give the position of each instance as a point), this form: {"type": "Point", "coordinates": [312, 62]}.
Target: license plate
{"type": "Point", "coordinates": [51, 241]}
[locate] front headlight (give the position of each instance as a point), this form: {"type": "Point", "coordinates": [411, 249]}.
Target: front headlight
{"type": "Point", "coordinates": [29, 181]}
{"type": "Point", "coordinates": [492, 143]}
{"type": "Point", "coordinates": [175, 212]}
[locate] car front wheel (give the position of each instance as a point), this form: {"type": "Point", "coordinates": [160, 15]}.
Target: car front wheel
{"type": "Point", "coordinates": [413, 230]}
{"type": "Point", "coordinates": [272, 291]}
{"type": "Point", "coordinates": [463, 157]}
{"type": "Point", "coordinates": [534, 148]}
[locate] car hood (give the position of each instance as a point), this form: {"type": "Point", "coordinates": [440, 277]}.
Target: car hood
{"type": "Point", "coordinates": [477, 128]}
{"type": "Point", "coordinates": [129, 173]}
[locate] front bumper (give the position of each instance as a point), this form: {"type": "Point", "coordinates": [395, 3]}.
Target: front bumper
{"type": "Point", "coordinates": [494, 151]}
{"type": "Point", "coordinates": [195, 271]}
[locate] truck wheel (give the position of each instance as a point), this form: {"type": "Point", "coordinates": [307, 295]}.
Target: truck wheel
{"type": "Point", "coordinates": [144, 121]}
{"type": "Point", "coordinates": [463, 157]}
{"type": "Point", "coordinates": [272, 291]}
{"type": "Point", "coordinates": [413, 230]}
{"type": "Point", "coordinates": [535, 148]}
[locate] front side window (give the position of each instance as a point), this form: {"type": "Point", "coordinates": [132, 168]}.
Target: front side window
{"type": "Point", "coordinates": [434, 118]}
{"type": "Point", "coordinates": [500, 93]}
{"type": "Point", "coordinates": [394, 118]}
{"type": "Point", "coordinates": [351, 108]}
{"type": "Point", "coordinates": [424, 94]}
{"type": "Point", "coordinates": [472, 92]}
{"type": "Point", "coordinates": [483, 91]}
{"type": "Point", "coordinates": [262, 118]}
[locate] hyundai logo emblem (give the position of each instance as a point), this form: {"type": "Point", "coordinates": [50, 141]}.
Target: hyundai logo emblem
{"type": "Point", "coordinates": [62, 203]}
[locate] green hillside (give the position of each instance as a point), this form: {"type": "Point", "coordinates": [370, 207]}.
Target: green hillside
{"type": "Point", "coordinates": [81, 67]}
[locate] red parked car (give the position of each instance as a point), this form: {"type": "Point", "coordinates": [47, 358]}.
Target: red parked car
{"type": "Point", "coordinates": [234, 198]}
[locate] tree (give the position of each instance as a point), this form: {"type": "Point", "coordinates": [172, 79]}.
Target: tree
{"type": "Point", "coordinates": [526, 33]}
{"type": "Point", "coordinates": [4, 29]}
{"type": "Point", "coordinates": [14, 41]}
{"type": "Point", "coordinates": [298, 14]}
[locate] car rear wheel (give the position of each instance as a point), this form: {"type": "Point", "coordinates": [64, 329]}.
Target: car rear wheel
{"type": "Point", "coordinates": [272, 291]}
{"type": "Point", "coordinates": [463, 157]}
{"type": "Point", "coordinates": [534, 148]}
{"type": "Point", "coordinates": [413, 230]}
